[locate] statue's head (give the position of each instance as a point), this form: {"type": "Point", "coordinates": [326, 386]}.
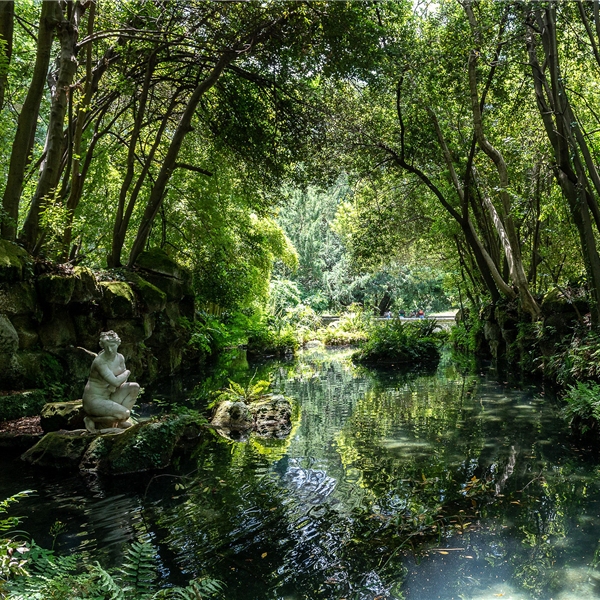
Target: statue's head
{"type": "Point", "coordinates": [109, 336]}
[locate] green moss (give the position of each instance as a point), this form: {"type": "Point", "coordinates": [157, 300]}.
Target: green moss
{"type": "Point", "coordinates": [145, 446]}
{"type": "Point", "coordinates": [118, 298]}
{"type": "Point", "coordinates": [159, 261]}
{"type": "Point", "coordinates": [152, 297]}
{"type": "Point", "coordinates": [86, 288]}
{"type": "Point", "coordinates": [21, 404]}
{"type": "Point", "coordinates": [15, 263]}
{"type": "Point", "coordinates": [17, 298]}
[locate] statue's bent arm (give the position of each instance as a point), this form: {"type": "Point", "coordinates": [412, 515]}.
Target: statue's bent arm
{"type": "Point", "coordinates": [110, 377]}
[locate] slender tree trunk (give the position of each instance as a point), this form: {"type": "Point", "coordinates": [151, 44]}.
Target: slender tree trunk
{"type": "Point", "coordinates": [50, 173]}
{"type": "Point", "coordinates": [7, 19]}
{"type": "Point", "coordinates": [158, 189]}
{"type": "Point", "coordinates": [114, 259]}
{"type": "Point", "coordinates": [27, 122]}
{"type": "Point", "coordinates": [505, 226]}
{"type": "Point", "coordinates": [554, 107]}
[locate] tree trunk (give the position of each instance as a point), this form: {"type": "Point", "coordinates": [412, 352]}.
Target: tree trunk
{"type": "Point", "coordinates": [505, 226]}
{"type": "Point", "coordinates": [50, 173]}
{"type": "Point", "coordinates": [27, 122]}
{"type": "Point", "coordinates": [114, 259]}
{"type": "Point", "coordinates": [158, 189]}
{"type": "Point", "coordinates": [555, 110]}
{"type": "Point", "coordinates": [7, 19]}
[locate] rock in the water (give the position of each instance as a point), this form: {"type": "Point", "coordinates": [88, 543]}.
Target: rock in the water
{"type": "Point", "coordinates": [272, 416]}
{"type": "Point", "coordinates": [62, 415]}
{"type": "Point", "coordinates": [144, 447]}
{"type": "Point", "coordinates": [233, 415]}
{"type": "Point", "coordinates": [59, 449]}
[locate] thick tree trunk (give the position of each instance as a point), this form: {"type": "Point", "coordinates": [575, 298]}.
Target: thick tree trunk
{"type": "Point", "coordinates": [7, 19]}
{"type": "Point", "coordinates": [158, 189]}
{"type": "Point", "coordinates": [27, 122]}
{"type": "Point", "coordinates": [50, 173]}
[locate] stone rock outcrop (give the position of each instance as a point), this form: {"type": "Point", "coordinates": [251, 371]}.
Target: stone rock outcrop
{"type": "Point", "coordinates": [49, 315]}
{"type": "Point", "coordinates": [62, 415]}
{"type": "Point", "coordinates": [146, 446]}
{"type": "Point", "coordinates": [59, 449]}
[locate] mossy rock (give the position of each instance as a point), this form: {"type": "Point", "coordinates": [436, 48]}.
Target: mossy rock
{"type": "Point", "coordinates": [18, 298]}
{"type": "Point", "coordinates": [55, 416]}
{"type": "Point", "coordinates": [15, 263]}
{"type": "Point", "coordinates": [59, 449]}
{"type": "Point", "coordinates": [86, 286]}
{"type": "Point", "coordinates": [118, 299]}
{"type": "Point", "coordinates": [152, 298]}
{"type": "Point", "coordinates": [57, 330]}
{"type": "Point", "coordinates": [9, 338]}
{"type": "Point", "coordinates": [56, 289]}
{"type": "Point", "coordinates": [131, 331]}
{"type": "Point", "coordinates": [87, 329]}
{"type": "Point", "coordinates": [26, 403]}
{"type": "Point", "coordinates": [144, 447]}
{"type": "Point", "coordinates": [232, 415]}
{"type": "Point", "coordinates": [27, 330]}
{"type": "Point", "coordinates": [158, 261]}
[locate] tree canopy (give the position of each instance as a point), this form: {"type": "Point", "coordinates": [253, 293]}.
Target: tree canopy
{"type": "Point", "coordinates": [463, 137]}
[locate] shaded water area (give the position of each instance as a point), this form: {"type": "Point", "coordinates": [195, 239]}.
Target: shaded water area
{"type": "Point", "coordinates": [410, 486]}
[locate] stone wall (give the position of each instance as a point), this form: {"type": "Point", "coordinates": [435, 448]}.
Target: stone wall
{"type": "Point", "coordinates": [509, 335]}
{"type": "Point", "coordinates": [50, 315]}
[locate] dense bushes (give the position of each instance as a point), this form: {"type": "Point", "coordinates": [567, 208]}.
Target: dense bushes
{"type": "Point", "coordinates": [398, 341]}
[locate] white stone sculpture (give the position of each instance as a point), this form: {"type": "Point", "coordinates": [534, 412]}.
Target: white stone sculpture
{"type": "Point", "coordinates": [108, 397]}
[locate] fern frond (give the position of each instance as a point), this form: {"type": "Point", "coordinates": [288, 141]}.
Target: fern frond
{"type": "Point", "coordinates": [138, 572]}
{"type": "Point", "coordinates": [107, 584]}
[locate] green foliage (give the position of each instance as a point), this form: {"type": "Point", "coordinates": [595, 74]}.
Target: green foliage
{"type": "Point", "coordinates": [264, 339]}
{"type": "Point", "coordinates": [398, 341]}
{"type": "Point", "coordinates": [65, 578]}
{"type": "Point", "coordinates": [238, 393]}
{"type": "Point", "coordinates": [577, 358]}
{"type": "Point", "coordinates": [23, 404]}
{"type": "Point", "coordinates": [352, 327]}
{"type": "Point", "coordinates": [466, 335]}
{"type": "Point", "coordinates": [583, 405]}
{"type": "Point", "coordinates": [12, 550]}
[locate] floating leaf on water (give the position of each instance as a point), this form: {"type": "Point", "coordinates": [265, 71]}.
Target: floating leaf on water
{"type": "Point", "coordinates": [263, 555]}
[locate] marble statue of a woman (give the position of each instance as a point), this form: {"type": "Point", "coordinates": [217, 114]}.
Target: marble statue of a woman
{"type": "Point", "coordinates": [108, 397]}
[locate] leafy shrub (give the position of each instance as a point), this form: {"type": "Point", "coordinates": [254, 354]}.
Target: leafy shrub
{"type": "Point", "coordinates": [466, 335]}
{"type": "Point", "coordinates": [237, 393]}
{"type": "Point", "coordinates": [401, 342]}
{"type": "Point", "coordinates": [12, 549]}
{"type": "Point", "coordinates": [583, 405]}
{"type": "Point", "coordinates": [578, 360]}
{"type": "Point", "coordinates": [351, 328]}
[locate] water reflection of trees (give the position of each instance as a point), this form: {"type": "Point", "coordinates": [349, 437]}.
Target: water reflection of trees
{"type": "Point", "coordinates": [384, 466]}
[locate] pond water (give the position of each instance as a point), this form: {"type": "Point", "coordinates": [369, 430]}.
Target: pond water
{"type": "Point", "coordinates": [415, 486]}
